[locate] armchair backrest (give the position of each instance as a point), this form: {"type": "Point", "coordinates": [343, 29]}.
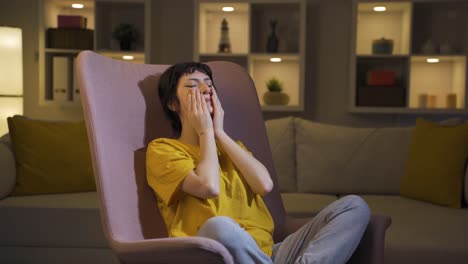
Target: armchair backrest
{"type": "Point", "coordinates": [123, 114]}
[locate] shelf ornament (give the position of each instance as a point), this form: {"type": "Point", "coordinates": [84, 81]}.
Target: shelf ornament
{"type": "Point", "coordinates": [273, 41]}
{"type": "Point", "coordinates": [224, 43]}
{"type": "Point", "coordinates": [274, 95]}
{"type": "Point", "coordinates": [126, 34]}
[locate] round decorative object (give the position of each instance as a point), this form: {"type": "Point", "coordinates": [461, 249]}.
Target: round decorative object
{"type": "Point", "coordinates": [275, 98]}
{"type": "Point", "coordinates": [382, 46]}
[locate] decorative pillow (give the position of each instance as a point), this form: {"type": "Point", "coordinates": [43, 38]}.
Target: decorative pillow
{"type": "Point", "coordinates": [436, 163]}
{"type": "Point", "coordinates": [51, 157]}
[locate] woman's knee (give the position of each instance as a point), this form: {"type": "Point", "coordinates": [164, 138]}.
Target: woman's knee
{"type": "Point", "coordinates": [220, 228]}
{"type": "Point", "coordinates": [358, 204]}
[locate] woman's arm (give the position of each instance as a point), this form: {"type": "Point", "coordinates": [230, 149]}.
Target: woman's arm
{"type": "Point", "coordinates": [203, 182]}
{"type": "Point", "coordinates": [253, 171]}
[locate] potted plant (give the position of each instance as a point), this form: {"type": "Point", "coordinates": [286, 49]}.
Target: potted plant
{"type": "Point", "coordinates": [126, 34]}
{"type": "Point", "coordinates": [275, 96]}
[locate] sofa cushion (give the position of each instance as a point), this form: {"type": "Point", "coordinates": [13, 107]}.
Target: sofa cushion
{"type": "Point", "coordinates": [54, 220]}
{"type": "Point", "coordinates": [8, 171]}
{"type": "Point", "coordinates": [51, 156]}
{"type": "Point", "coordinates": [345, 160]}
{"type": "Point", "coordinates": [436, 163]}
{"type": "Point", "coordinates": [282, 143]}
{"type": "Point", "coordinates": [422, 232]}
{"type": "Point", "coordinates": [305, 204]}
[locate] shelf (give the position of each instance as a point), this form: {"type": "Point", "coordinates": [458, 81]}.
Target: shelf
{"type": "Point", "coordinates": [392, 24]}
{"type": "Point", "coordinates": [287, 71]}
{"type": "Point", "coordinates": [131, 56]}
{"type": "Point", "coordinates": [63, 51]}
{"type": "Point", "coordinates": [234, 58]}
{"type": "Point", "coordinates": [210, 19]}
{"type": "Point", "coordinates": [432, 83]}
{"type": "Point", "coordinates": [249, 31]}
{"type": "Point", "coordinates": [287, 16]}
{"type": "Point", "coordinates": [420, 30]}
{"type": "Point", "coordinates": [109, 14]}
{"type": "Point", "coordinates": [440, 24]}
{"type": "Point", "coordinates": [405, 110]}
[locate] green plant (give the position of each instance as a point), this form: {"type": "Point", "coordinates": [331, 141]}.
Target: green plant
{"type": "Point", "coordinates": [125, 33]}
{"type": "Point", "coordinates": [274, 85]}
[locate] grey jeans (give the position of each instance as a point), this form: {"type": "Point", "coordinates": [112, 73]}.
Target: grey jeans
{"type": "Point", "coordinates": [330, 237]}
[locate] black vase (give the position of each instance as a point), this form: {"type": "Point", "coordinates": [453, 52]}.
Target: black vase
{"type": "Point", "coordinates": [125, 45]}
{"type": "Point", "coordinates": [272, 43]}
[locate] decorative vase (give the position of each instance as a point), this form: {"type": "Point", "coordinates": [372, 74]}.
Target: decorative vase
{"type": "Point", "coordinates": [272, 43]}
{"type": "Point", "coordinates": [428, 47]}
{"type": "Point", "coordinates": [446, 48]}
{"type": "Point", "coordinates": [224, 42]}
{"type": "Point", "coordinates": [382, 46]}
{"type": "Point", "coordinates": [275, 98]}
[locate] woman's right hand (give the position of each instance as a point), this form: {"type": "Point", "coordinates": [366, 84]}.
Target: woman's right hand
{"type": "Point", "coordinates": [198, 113]}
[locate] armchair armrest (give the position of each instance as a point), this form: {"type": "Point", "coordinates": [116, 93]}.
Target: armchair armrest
{"type": "Point", "coordinates": [172, 250]}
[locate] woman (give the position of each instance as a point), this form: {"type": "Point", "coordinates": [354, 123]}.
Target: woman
{"type": "Point", "coordinates": [211, 186]}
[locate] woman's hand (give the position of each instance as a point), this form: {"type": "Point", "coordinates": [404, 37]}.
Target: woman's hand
{"type": "Point", "coordinates": [198, 114]}
{"type": "Point", "coordinates": [218, 114]}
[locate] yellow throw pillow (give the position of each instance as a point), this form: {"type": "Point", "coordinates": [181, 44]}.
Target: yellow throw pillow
{"type": "Point", "coordinates": [51, 157]}
{"type": "Point", "coordinates": [436, 163]}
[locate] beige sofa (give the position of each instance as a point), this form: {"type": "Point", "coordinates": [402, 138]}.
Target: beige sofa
{"type": "Point", "coordinates": [317, 163]}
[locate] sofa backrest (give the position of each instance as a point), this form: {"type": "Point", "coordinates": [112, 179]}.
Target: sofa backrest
{"type": "Point", "coordinates": [344, 160]}
{"type": "Point", "coordinates": [283, 147]}
{"type": "Point", "coordinates": [312, 157]}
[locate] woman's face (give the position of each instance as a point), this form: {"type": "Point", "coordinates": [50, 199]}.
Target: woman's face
{"type": "Point", "coordinates": [197, 81]}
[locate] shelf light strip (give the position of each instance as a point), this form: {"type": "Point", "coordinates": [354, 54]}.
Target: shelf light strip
{"type": "Point", "coordinates": [432, 60]}
{"type": "Point", "coordinates": [380, 8]}
{"type": "Point", "coordinates": [78, 6]}
{"type": "Point", "coordinates": [275, 59]}
{"type": "Point", "coordinates": [228, 8]}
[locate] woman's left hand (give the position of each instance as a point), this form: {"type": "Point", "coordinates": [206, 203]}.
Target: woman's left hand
{"type": "Point", "coordinates": [218, 114]}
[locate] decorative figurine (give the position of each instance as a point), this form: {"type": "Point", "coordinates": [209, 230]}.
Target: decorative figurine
{"type": "Point", "coordinates": [224, 43]}
{"type": "Point", "coordinates": [272, 43]}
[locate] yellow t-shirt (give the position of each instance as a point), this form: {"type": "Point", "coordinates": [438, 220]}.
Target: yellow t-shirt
{"type": "Point", "coordinates": [168, 161]}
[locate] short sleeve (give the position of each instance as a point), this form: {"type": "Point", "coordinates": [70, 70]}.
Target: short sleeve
{"type": "Point", "coordinates": [166, 168]}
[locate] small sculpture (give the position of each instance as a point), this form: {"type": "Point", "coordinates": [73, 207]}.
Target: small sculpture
{"type": "Point", "coordinates": [272, 43]}
{"type": "Point", "coordinates": [224, 43]}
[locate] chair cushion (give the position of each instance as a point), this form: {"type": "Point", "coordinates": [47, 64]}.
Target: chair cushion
{"type": "Point", "coordinates": [54, 220]}
{"type": "Point", "coordinates": [422, 232]}
{"type": "Point", "coordinates": [282, 143]}
{"type": "Point", "coordinates": [436, 163]}
{"type": "Point", "coordinates": [346, 160]}
{"type": "Point", "coordinates": [51, 156]}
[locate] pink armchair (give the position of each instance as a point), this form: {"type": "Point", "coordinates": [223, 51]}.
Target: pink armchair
{"type": "Point", "coordinates": [123, 114]}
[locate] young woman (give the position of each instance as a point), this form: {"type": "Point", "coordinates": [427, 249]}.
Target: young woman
{"type": "Point", "coordinates": [209, 185]}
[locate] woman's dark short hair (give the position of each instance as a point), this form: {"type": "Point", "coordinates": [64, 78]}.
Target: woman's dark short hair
{"type": "Point", "coordinates": [167, 88]}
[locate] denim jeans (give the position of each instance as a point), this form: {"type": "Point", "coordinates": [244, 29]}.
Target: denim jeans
{"type": "Point", "coordinates": [330, 237]}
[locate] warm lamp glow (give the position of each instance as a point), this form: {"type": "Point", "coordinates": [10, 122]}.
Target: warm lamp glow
{"type": "Point", "coordinates": [380, 8]}
{"type": "Point", "coordinates": [77, 5]}
{"type": "Point", "coordinates": [128, 57]}
{"type": "Point", "coordinates": [432, 60]}
{"type": "Point", "coordinates": [11, 62]}
{"type": "Point", "coordinates": [275, 59]}
{"type": "Point", "coordinates": [11, 74]}
{"type": "Point", "coordinates": [228, 8]}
